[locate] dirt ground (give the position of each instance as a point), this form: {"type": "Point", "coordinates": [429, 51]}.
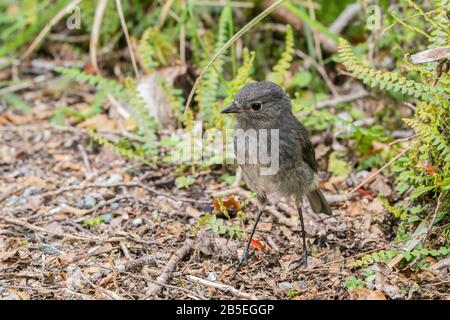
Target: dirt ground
{"type": "Point", "coordinates": [79, 222]}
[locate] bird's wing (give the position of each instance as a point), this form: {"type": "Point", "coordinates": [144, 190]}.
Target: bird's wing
{"type": "Point", "coordinates": [307, 149]}
{"type": "Point", "coordinates": [308, 154]}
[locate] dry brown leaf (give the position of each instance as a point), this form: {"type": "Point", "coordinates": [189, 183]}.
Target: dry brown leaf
{"type": "Point", "coordinates": [7, 255]}
{"type": "Point", "coordinates": [101, 122]}
{"type": "Point", "coordinates": [149, 88]}
{"type": "Point", "coordinates": [355, 209]}
{"type": "Point", "coordinates": [366, 294]}
{"type": "Point", "coordinates": [67, 165]}
{"type": "Point", "coordinates": [380, 187]}
{"type": "Point", "coordinates": [230, 204]}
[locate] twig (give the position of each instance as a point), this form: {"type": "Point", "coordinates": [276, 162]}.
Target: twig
{"type": "Point", "coordinates": [121, 184]}
{"type": "Point", "coordinates": [272, 244]}
{"type": "Point", "coordinates": [40, 229]}
{"type": "Point", "coordinates": [442, 264]}
{"type": "Point", "coordinates": [349, 13]}
{"type": "Point", "coordinates": [95, 33]}
{"type": "Point", "coordinates": [228, 44]}
{"type": "Point", "coordinates": [168, 269]}
{"type": "Point", "coordinates": [373, 175]}
{"type": "Point", "coordinates": [25, 84]}
{"type": "Point", "coordinates": [420, 233]}
{"type": "Point", "coordinates": [48, 27]}
{"type": "Point", "coordinates": [238, 178]}
{"type": "Point", "coordinates": [281, 218]}
{"type": "Point", "coordinates": [223, 287]}
{"type": "Point", "coordinates": [127, 36]}
{"type": "Point", "coordinates": [134, 265]}
{"type": "Point", "coordinates": [404, 139]}
{"type": "Point", "coordinates": [165, 285]}
{"type": "Point", "coordinates": [342, 99]}
{"type": "Point", "coordinates": [85, 158]}
{"type": "Point", "coordinates": [320, 69]}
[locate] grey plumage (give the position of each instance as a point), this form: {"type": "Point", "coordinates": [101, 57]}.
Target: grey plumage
{"type": "Point", "coordinates": [297, 175]}
{"type": "Point", "coordinates": [265, 105]}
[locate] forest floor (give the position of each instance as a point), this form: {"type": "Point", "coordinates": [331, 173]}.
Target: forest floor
{"type": "Point", "coordinates": [78, 222]}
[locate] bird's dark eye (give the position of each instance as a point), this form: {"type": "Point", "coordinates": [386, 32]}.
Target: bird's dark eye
{"type": "Point", "coordinates": [256, 106]}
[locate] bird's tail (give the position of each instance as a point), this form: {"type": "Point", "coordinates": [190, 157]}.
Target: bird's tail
{"type": "Point", "coordinates": [318, 202]}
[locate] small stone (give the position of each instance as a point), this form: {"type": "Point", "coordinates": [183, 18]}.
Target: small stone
{"type": "Point", "coordinates": [114, 206]}
{"type": "Point", "coordinates": [106, 218]}
{"type": "Point", "coordinates": [285, 285]}
{"type": "Point", "coordinates": [114, 178]}
{"type": "Point", "coordinates": [137, 222]}
{"type": "Point", "coordinates": [48, 249]}
{"type": "Point", "coordinates": [301, 284]}
{"type": "Point", "coordinates": [89, 202]}
{"type": "Point", "coordinates": [341, 227]}
{"type": "Point", "coordinates": [212, 276]}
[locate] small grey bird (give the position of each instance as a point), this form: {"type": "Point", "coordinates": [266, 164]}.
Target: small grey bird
{"type": "Point", "coordinates": [265, 105]}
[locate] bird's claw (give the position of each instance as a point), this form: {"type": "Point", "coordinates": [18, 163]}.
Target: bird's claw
{"type": "Point", "coordinates": [237, 265]}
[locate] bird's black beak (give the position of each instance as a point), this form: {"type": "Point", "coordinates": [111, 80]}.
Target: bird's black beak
{"type": "Point", "coordinates": [231, 109]}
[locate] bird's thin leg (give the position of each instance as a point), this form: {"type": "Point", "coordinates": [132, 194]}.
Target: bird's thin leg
{"type": "Point", "coordinates": [244, 256]}
{"type": "Point", "coordinates": [304, 260]}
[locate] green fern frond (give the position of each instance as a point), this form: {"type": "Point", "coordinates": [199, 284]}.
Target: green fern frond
{"type": "Point", "coordinates": [175, 99]}
{"type": "Point", "coordinates": [155, 49]}
{"type": "Point", "coordinates": [440, 34]}
{"type": "Point", "coordinates": [24, 28]}
{"type": "Point", "coordinates": [284, 64]}
{"type": "Point", "coordinates": [207, 94]}
{"type": "Point", "coordinates": [99, 82]}
{"type": "Point", "coordinates": [129, 154]}
{"type": "Point", "coordinates": [243, 76]}
{"type": "Point", "coordinates": [383, 256]}
{"type": "Point", "coordinates": [431, 135]}
{"type": "Point", "coordinates": [146, 123]}
{"type": "Point", "coordinates": [390, 81]}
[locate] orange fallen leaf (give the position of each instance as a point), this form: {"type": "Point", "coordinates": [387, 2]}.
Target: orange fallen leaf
{"type": "Point", "coordinates": [365, 192]}
{"type": "Point", "coordinates": [256, 244]}
{"type": "Point", "coordinates": [428, 167]}
{"type": "Point", "coordinates": [366, 294]}
{"type": "Point", "coordinates": [229, 203]}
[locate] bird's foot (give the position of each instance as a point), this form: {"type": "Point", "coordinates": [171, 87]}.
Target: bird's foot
{"type": "Point", "coordinates": [304, 259]}
{"type": "Point", "coordinates": [237, 266]}
{"type": "Point", "coordinates": [301, 262]}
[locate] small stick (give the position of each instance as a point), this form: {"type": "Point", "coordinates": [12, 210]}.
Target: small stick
{"type": "Point", "coordinates": [121, 184]}
{"type": "Point", "coordinates": [136, 264]}
{"type": "Point", "coordinates": [223, 287]}
{"type": "Point", "coordinates": [85, 158]}
{"type": "Point", "coordinates": [48, 27]}
{"type": "Point", "coordinates": [272, 243]}
{"type": "Point", "coordinates": [373, 175]}
{"type": "Point", "coordinates": [25, 84]}
{"type": "Point", "coordinates": [170, 266]}
{"type": "Point", "coordinates": [40, 229]}
{"type": "Point", "coordinates": [95, 33]}
{"type": "Point", "coordinates": [282, 219]}
{"type": "Point", "coordinates": [127, 36]}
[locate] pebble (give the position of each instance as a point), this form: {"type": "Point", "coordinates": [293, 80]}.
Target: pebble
{"type": "Point", "coordinates": [212, 276]}
{"type": "Point", "coordinates": [285, 285]}
{"type": "Point", "coordinates": [48, 249]}
{"type": "Point", "coordinates": [107, 218]}
{"type": "Point", "coordinates": [114, 206]}
{"type": "Point", "coordinates": [301, 284]}
{"type": "Point", "coordinates": [89, 202]}
{"type": "Point", "coordinates": [137, 222]}
{"type": "Point", "coordinates": [114, 178]}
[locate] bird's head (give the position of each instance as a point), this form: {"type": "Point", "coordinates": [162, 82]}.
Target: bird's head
{"type": "Point", "coordinates": [260, 101]}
